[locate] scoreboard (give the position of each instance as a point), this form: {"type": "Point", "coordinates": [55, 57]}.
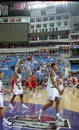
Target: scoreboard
{"type": "Point", "coordinates": [14, 32]}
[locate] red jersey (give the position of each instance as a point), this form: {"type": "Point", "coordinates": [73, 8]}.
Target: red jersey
{"type": "Point", "coordinates": [33, 81]}
{"type": "Point", "coordinates": [12, 82]}
{"type": "Point", "coordinates": [27, 82]}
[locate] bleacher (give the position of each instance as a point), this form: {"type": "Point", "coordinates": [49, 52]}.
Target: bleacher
{"type": "Point", "coordinates": [75, 69]}
{"type": "Point", "coordinates": [7, 65]}
{"type": "Point", "coordinates": [41, 66]}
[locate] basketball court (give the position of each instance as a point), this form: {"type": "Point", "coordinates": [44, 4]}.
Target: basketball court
{"type": "Point", "coordinates": [23, 119]}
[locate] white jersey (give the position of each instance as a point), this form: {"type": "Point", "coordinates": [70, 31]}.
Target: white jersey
{"type": "Point", "coordinates": [16, 90]}
{"type": "Point", "coordinates": [1, 94]}
{"type": "Point", "coordinates": [20, 80]}
{"type": "Point", "coordinates": [51, 89]}
{"type": "Point", "coordinates": [49, 83]}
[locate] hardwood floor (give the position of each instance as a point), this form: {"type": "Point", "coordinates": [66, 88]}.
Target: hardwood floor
{"type": "Point", "coordinates": [70, 99]}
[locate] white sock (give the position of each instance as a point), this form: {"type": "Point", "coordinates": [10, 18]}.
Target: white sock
{"type": "Point", "coordinates": [57, 114]}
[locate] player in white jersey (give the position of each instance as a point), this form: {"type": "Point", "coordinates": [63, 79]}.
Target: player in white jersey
{"type": "Point", "coordinates": [17, 89]}
{"type": "Point", "coordinates": [2, 89]}
{"type": "Point", "coordinates": [53, 92]}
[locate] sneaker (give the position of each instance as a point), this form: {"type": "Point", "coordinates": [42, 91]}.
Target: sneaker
{"type": "Point", "coordinates": [11, 106]}
{"type": "Point", "coordinates": [59, 118]}
{"type": "Point", "coordinates": [6, 122]}
{"type": "Point", "coordinates": [24, 106]}
{"type": "Point", "coordinates": [39, 113]}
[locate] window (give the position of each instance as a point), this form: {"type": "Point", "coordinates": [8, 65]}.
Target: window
{"type": "Point", "coordinates": [51, 18]}
{"type": "Point", "coordinates": [33, 38]}
{"type": "Point", "coordinates": [65, 16]}
{"type": "Point", "coordinates": [52, 29]}
{"type": "Point", "coordinates": [45, 38]}
{"type": "Point", "coordinates": [53, 37]}
{"type": "Point", "coordinates": [42, 30]}
{"type": "Point", "coordinates": [46, 30]}
{"type": "Point", "coordinates": [38, 19]}
{"type": "Point", "coordinates": [32, 26]}
{"type": "Point", "coordinates": [58, 23]}
{"type": "Point", "coordinates": [65, 23]}
{"type": "Point", "coordinates": [45, 19]}
{"type": "Point", "coordinates": [51, 24]}
{"type": "Point", "coordinates": [32, 20]}
{"type": "Point", "coordinates": [40, 37]}
{"type": "Point", "coordinates": [56, 29]}
{"type": "Point", "coordinates": [44, 25]}
{"type": "Point", "coordinates": [43, 12]}
{"type": "Point", "coordinates": [33, 31]}
{"type": "Point", "coordinates": [39, 30]}
{"type": "Point", "coordinates": [58, 17]}
{"type": "Point", "coordinates": [38, 26]}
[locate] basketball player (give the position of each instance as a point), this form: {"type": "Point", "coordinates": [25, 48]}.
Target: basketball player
{"type": "Point", "coordinates": [33, 82]}
{"type": "Point", "coordinates": [5, 121]}
{"type": "Point", "coordinates": [28, 83]}
{"type": "Point", "coordinates": [17, 89]}
{"type": "Point", "coordinates": [12, 82]}
{"type": "Point", "coordinates": [53, 93]}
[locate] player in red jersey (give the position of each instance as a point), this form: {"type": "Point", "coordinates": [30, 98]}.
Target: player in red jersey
{"type": "Point", "coordinates": [28, 83]}
{"type": "Point", "coordinates": [12, 80]}
{"type": "Point", "coordinates": [33, 83]}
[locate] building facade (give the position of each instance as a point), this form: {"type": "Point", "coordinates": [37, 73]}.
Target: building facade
{"type": "Point", "coordinates": [47, 26]}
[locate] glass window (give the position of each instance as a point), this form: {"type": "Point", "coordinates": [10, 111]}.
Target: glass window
{"type": "Point", "coordinates": [56, 29]}
{"type": "Point", "coordinates": [44, 25]}
{"type": "Point", "coordinates": [51, 18]}
{"type": "Point", "coordinates": [53, 37]}
{"type": "Point", "coordinates": [32, 26]}
{"type": "Point", "coordinates": [58, 23]}
{"type": "Point", "coordinates": [43, 12]}
{"type": "Point", "coordinates": [38, 26]}
{"type": "Point", "coordinates": [40, 37]}
{"type": "Point", "coordinates": [45, 38]}
{"type": "Point", "coordinates": [52, 29]}
{"type": "Point", "coordinates": [32, 20]}
{"type": "Point", "coordinates": [45, 19]}
{"type": "Point", "coordinates": [42, 30]}
{"type": "Point", "coordinates": [65, 23]}
{"type": "Point", "coordinates": [46, 30]}
{"type": "Point", "coordinates": [58, 17]}
{"type": "Point", "coordinates": [38, 19]}
{"type": "Point", "coordinates": [51, 24]}
{"type": "Point", "coordinates": [65, 16]}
